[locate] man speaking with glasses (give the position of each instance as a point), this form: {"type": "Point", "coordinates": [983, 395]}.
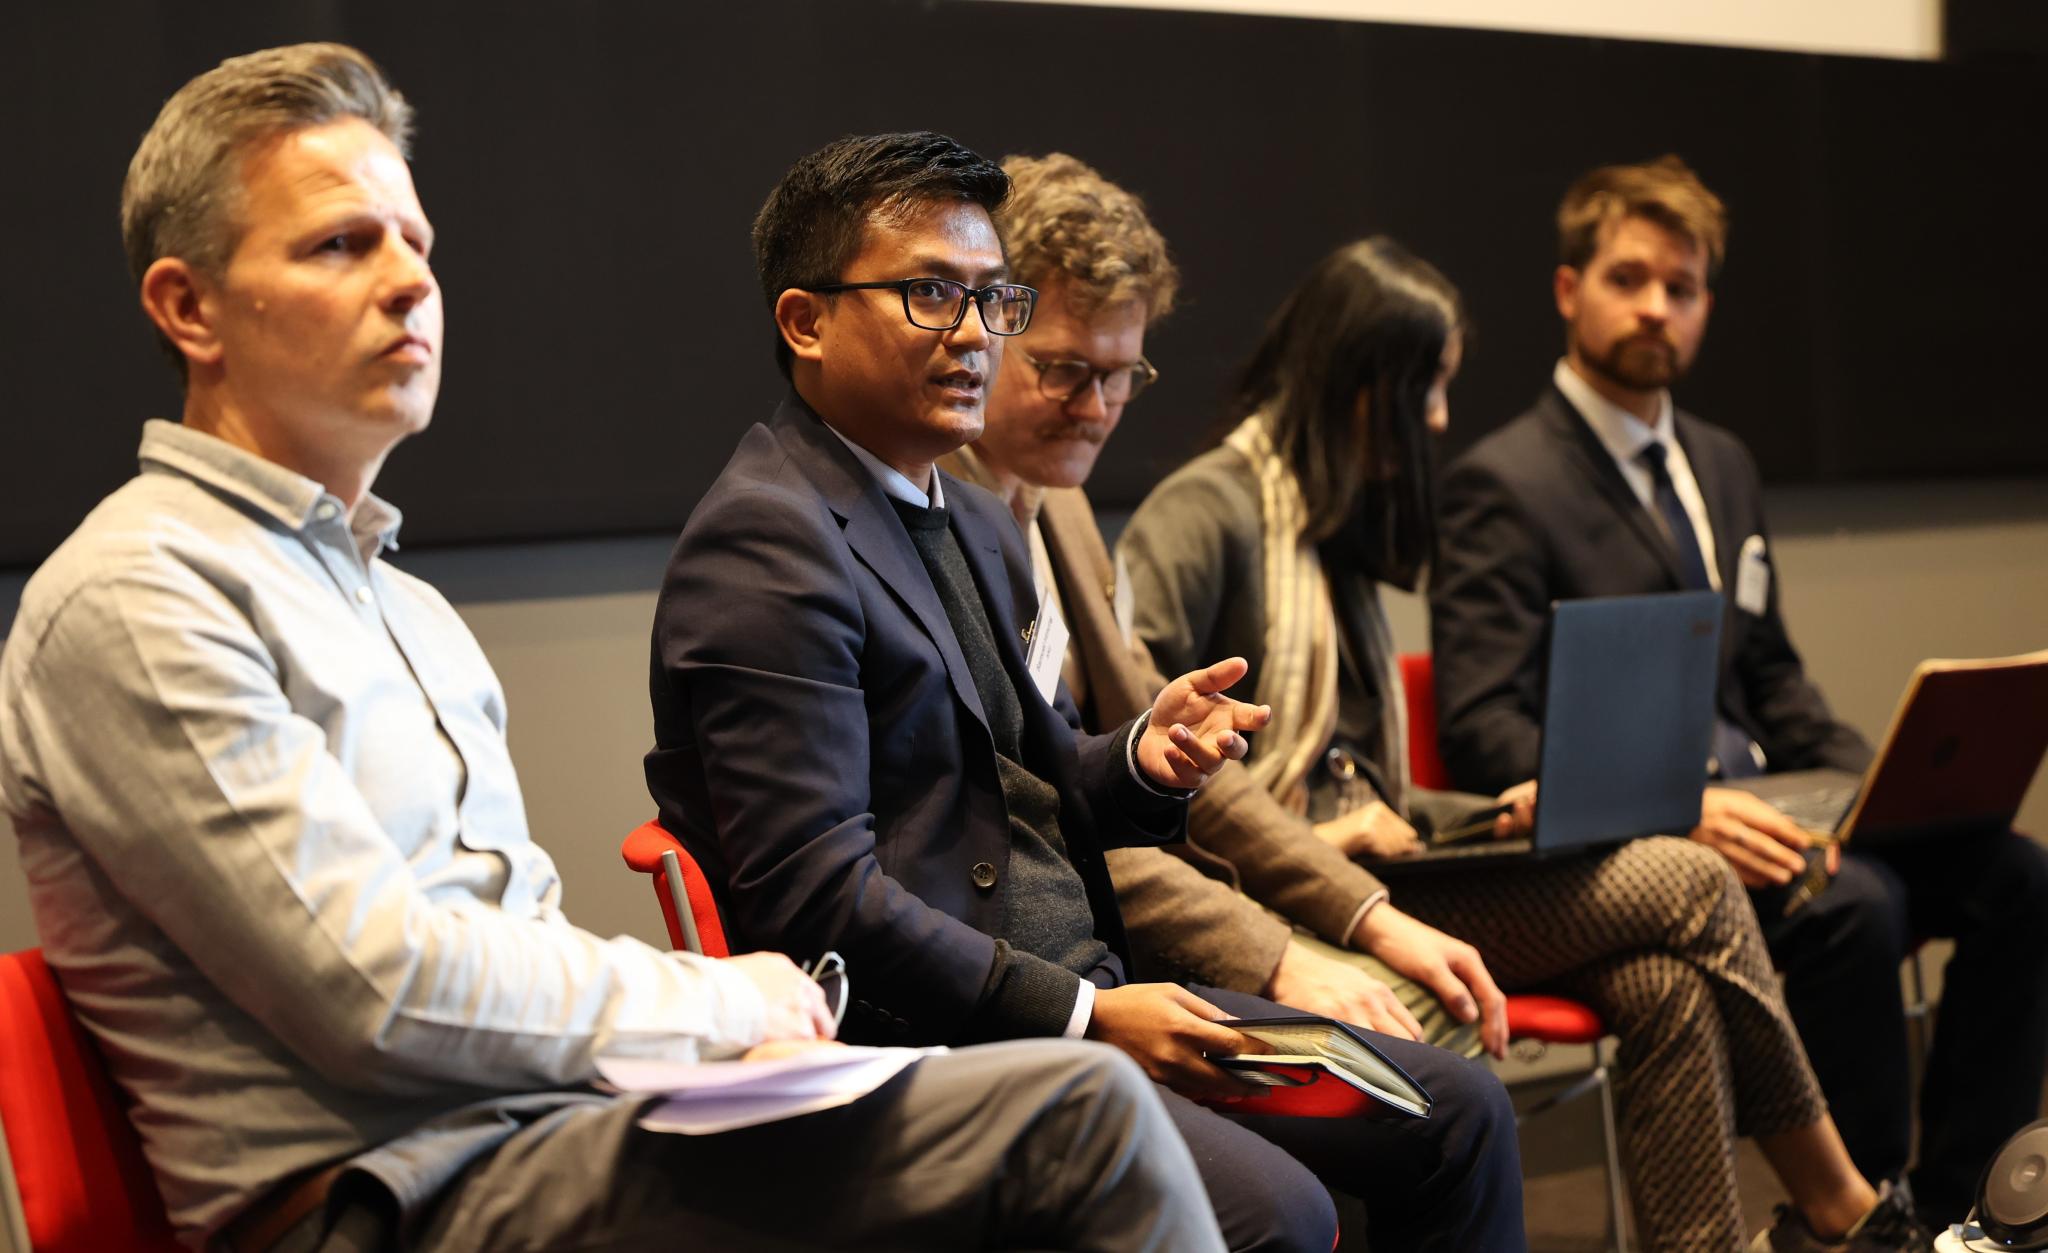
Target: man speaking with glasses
{"type": "Point", "coordinates": [861, 733]}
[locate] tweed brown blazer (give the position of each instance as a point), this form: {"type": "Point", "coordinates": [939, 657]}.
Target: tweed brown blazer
{"type": "Point", "coordinates": [1183, 904]}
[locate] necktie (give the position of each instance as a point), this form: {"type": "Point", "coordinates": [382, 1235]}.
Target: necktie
{"type": "Point", "coordinates": [1692, 567]}
{"type": "Point", "coordinates": [954, 582]}
{"type": "Point", "coordinates": [1732, 757]}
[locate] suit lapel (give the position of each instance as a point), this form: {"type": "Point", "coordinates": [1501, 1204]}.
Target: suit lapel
{"type": "Point", "coordinates": [1590, 458]}
{"type": "Point", "coordinates": [1122, 677]}
{"type": "Point", "coordinates": [1082, 573]}
{"type": "Point", "coordinates": [875, 534]}
{"type": "Point", "coordinates": [1714, 486]}
{"type": "Point", "coordinates": [1012, 606]}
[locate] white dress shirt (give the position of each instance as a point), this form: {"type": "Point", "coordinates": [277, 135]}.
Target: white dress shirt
{"type": "Point", "coordinates": [1625, 436]}
{"type": "Point", "coordinates": [274, 843]}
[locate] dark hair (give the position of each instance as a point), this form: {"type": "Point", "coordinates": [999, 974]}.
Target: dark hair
{"type": "Point", "coordinates": [812, 223]}
{"type": "Point", "coordinates": [1370, 317]}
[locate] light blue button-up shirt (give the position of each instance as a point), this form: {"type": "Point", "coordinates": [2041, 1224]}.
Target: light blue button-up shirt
{"type": "Point", "coordinates": [274, 843]}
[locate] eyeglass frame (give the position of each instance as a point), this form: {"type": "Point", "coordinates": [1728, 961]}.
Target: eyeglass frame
{"type": "Point", "coordinates": [1097, 376]}
{"type": "Point", "coordinates": [968, 295]}
{"type": "Point", "coordinates": [833, 967]}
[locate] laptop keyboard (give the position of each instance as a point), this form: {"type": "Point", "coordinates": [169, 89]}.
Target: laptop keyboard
{"type": "Point", "coordinates": [1821, 809]}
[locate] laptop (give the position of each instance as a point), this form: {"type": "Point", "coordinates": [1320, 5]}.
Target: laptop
{"type": "Point", "coordinates": [1962, 749]}
{"type": "Point", "coordinates": [1628, 716]}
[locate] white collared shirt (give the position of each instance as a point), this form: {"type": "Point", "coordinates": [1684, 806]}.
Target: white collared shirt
{"type": "Point", "coordinates": [1625, 436]}
{"type": "Point", "coordinates": [893, 481]}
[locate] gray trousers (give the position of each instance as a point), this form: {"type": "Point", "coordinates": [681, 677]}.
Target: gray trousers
{"type": "Point", "coordinates": [1036, 1144]}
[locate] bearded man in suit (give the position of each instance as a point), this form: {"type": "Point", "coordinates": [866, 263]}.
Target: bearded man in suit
{"type": "Point", "coordinates": [1604, 488]}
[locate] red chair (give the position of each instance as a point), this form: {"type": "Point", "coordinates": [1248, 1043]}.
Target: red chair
{"type": "Point", "coordinates": [687, 905]}
{"type": "Point", "coordinates": [1534, 1022]}
{"type": "Point", "coordinates": [1426, 767]}
{"type": "Point", "coordinates": [76, 1162]}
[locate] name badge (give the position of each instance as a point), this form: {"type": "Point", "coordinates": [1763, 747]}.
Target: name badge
{"type": "Point", "coordinates": [1046, 651]}
{"type": "Point", "coordinates": [1752, 577]}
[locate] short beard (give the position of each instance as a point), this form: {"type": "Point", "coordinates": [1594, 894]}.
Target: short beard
{"type": "Point", "coordinates": [1638, 364]}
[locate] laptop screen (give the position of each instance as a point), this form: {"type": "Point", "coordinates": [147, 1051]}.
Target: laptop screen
{"type": "Point", "coordinates": [1628, 716]}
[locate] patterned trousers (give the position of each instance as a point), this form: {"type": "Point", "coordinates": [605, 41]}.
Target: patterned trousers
{"type": "Point", "coordinates": [1659, 937]}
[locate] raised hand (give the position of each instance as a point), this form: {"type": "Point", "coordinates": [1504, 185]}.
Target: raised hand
{"type": "Point", "coordinates": [1195, 728]}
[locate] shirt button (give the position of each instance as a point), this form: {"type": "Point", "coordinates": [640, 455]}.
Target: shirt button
{"type": "Point", "coordinates": [363, 595]}
{"type": "Point", "coordinates": [327, 511]}
{"type": "Point", "coordinates": [984, 875]}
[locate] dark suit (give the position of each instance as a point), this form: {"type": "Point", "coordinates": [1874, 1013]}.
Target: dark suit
{"type": "Point", "coordinates": [1538, 511]}
{"type": "Point", "coordinates": [821, 748]}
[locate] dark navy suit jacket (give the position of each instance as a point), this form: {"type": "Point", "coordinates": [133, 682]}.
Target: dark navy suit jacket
{"type": "Point", "coordinates": [1537, 512]}
{"type": "Point", "coordinates": [821, 749]}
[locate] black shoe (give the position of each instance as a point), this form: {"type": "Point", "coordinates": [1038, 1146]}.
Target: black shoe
{"type": "Point", "coordinates": [1890, 1225]}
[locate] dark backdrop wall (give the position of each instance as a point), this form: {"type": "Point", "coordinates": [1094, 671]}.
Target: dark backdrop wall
{"type": "Point", "coordinates": [592, 171]}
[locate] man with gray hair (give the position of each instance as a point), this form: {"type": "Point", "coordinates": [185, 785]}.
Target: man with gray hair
{"type": "Point", "coordinates": [276, 847]}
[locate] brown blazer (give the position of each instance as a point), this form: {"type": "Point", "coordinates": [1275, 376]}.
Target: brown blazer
{"type": "Point", "coordinates": [1182, 906]}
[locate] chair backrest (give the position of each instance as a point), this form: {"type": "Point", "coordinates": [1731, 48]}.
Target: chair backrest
{"type": "Point", "coordinates": [1425, 764]}
{"type": "Point", "coordinates": [77, 1162]}
{"type": "Point", "coordinates": [642, 851]}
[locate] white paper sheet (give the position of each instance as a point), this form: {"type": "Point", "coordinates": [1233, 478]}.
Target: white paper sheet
{"type": "Point", "coordinates": [703, 1098]}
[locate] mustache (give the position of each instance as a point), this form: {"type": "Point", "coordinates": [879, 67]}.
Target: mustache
{"type": "Point", "coordinates": [1089, 431]}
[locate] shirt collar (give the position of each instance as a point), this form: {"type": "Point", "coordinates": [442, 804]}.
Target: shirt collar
{"type": "Point", "coordinates": [892, 480]}
{"type": "Point", "coordinates": [291, 498]}
{"type": "Point", "coordinates": [1622, 433]}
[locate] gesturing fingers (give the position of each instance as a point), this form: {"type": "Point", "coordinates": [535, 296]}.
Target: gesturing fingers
{"type": "Point", "coordinates": [1218, 676]}
{"type": "Point", "coordinates": [1206, 754]}
{"type": "Point", "coordinates": [1245, 717]}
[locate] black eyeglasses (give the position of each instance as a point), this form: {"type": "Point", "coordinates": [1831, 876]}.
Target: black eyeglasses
{"type": "Point", "coordinates": [1064, 380]}
{"type": "Point", "coordinates": [938, 304]}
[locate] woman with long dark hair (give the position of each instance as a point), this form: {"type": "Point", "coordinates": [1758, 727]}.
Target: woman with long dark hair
{"type": "Point", "coordinates": [1273, 546]}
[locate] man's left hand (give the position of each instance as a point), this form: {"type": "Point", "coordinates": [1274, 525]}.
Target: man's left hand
{"type": "Point", "coordinates": [1195, 728]}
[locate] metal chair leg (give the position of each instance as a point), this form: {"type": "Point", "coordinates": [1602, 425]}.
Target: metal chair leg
{"type": "Point", "coordinates": [1598, 1080]}
{"type": "Point", "coordinates": [1917, 1012]}
{"type": "Point", "coordinates": [1610, 1136]}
